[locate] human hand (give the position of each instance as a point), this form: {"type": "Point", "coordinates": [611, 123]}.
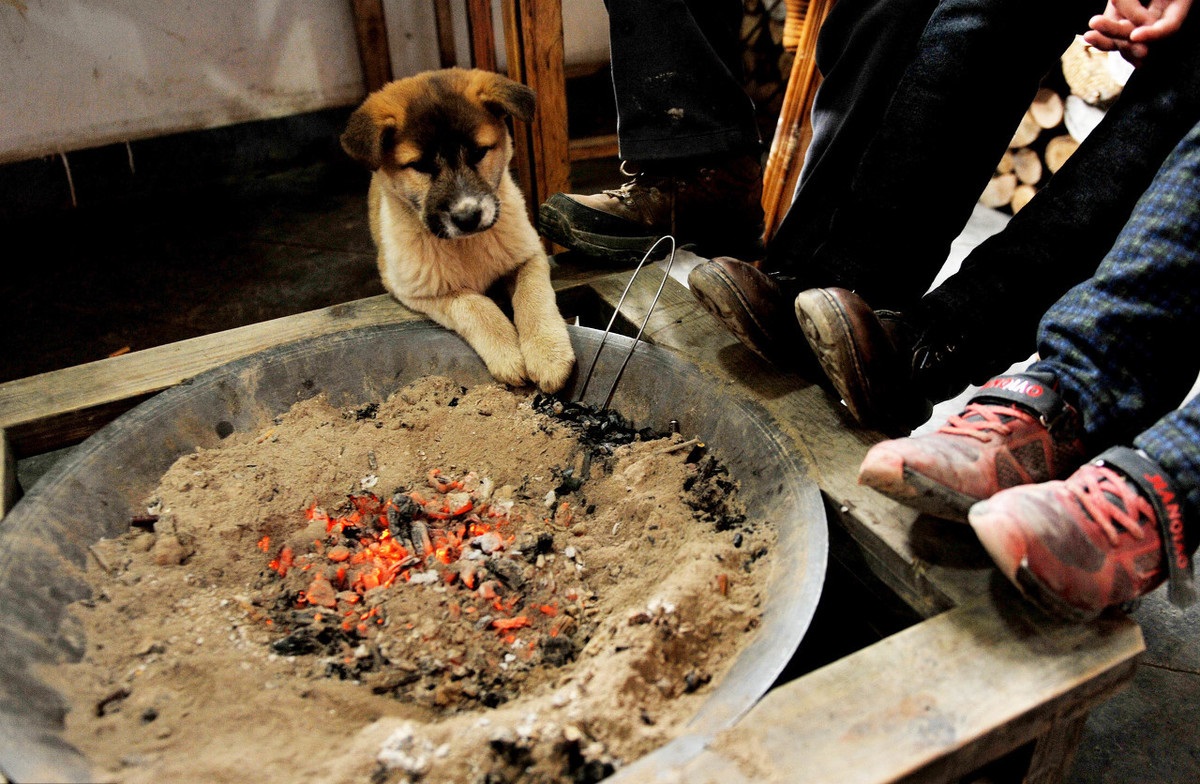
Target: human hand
{"type": "Point", "coordinates": [1128, 27]}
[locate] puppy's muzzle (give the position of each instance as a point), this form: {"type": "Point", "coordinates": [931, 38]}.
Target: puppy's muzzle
{"type": "Point", "coordinates": [466, 207]}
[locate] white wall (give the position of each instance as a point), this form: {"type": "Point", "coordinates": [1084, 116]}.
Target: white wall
{"type": "Point", "coordinates": [82, 73]}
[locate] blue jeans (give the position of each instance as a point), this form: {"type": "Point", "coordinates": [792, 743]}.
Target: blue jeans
{"type": "Point", "coordinates": [1114, 341]}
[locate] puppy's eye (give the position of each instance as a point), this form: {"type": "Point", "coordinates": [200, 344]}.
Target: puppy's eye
{"type": "Point", "coordinates": [476, 154]}
{"type": "Point", "coordinates": [422, 165]}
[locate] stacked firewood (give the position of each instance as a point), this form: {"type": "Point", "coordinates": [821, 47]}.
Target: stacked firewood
{"type": "Point", "coordinates": [1071, 102]}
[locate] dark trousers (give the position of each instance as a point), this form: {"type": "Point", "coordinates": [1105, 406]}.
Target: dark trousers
{"type": "Point", "coordinates": [676, 67]}
{"type": "Point", "coordinates": [1118, 343]}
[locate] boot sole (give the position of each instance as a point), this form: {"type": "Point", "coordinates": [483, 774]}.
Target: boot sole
{"type": "Point", "coordinates": [827, 328]}
{"type": "Point", "coordinates": [557, 226]}
{"type": "Point", "coordinates": [739, 321]}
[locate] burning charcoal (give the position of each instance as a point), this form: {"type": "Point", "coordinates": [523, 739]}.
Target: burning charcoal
{"type": "Point", "coordinates": [422, 544]}
{"type": "Point", "coordinates": [507, 570]}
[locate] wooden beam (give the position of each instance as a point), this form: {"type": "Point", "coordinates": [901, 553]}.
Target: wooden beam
{"type": "Point", "coordinates": [370, 29]}
{"type": "Point", "coordinates": [483, 36]}
{"type": "Point", "coordinates": [10, 489]}
{"type": "Point", "coordinates": [590, 147]}
{"type": "Point", "coordinates": [534, 43]}
{"type": "Point", "coordinates": [793, 131]}
{"type": "Point", "coordinates": [444, 21]}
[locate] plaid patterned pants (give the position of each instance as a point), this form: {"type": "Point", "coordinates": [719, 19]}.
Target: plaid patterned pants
{"type": "Point", "coordinates": [1125, 344]}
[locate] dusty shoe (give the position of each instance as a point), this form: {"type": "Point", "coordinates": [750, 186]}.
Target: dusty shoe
{"type": "Point", "coordinates": [1016, 430]}
{"type": "Point", "coordinates": [1109, 533]}
{"type": "Point", "coordinates": [753, 307]}
{"type": "Point", "coordinates": [866, 356]}
{"type": "Point", "coordinates": [714, 205]}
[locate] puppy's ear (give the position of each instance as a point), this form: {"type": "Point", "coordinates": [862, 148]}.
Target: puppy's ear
{"type": "Point", "coordinates": [501, 96]}
{"type": "Point", "coordinates": [367, 138]}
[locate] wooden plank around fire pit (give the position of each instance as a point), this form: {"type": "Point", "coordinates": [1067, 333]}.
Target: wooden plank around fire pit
{"type": "Point", "coordinates": [931, 703]}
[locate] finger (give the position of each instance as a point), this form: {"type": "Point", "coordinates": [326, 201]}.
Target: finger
{"type": "Point", "coordinates": [1113, 28]}
{"type": "Point", "coordinates": [1164, 27]}
{"type": "Point", "coordinates": [1134, 54]}
{"type": "Point", "coordinates": [1098, 41]}
{"type": "Point", "coordinates": [1134, 11]}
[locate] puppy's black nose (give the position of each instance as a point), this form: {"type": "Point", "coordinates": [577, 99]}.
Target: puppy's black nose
{"type": "Point", "coordinates": [466, 218]}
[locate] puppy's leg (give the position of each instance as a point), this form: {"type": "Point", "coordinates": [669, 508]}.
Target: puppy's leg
{"type": "Point", "coordinates": [480, 322]}
{"type": "Point", "coordinates": [545, 343]}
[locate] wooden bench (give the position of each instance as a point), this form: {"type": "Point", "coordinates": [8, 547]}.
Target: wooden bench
{"type": "Point", "coordinates": [981, 677]}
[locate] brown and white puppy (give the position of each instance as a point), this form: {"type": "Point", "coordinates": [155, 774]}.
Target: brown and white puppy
{"type": "Point", "coordinates": [449, 221]}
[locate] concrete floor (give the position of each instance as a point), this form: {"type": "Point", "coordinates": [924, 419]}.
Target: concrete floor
{"type": "Point", "coordinates": [111, 277]}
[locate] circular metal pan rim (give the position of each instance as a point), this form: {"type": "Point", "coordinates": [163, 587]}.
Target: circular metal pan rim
{"type": "Point", "coordinates": [93, 491]}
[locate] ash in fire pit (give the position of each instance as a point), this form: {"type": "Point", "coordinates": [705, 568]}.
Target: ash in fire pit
{"type": "Point", "coordinates": [453, 585]}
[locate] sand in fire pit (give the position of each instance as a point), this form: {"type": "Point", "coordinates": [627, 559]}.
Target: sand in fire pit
{"type": "Point", "coordinates": [449, 586]}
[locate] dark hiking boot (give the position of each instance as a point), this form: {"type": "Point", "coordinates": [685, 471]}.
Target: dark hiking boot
{"type": "Point", "coordinates": [715, 206]}
{"type": "Point", "coordinates": [1110, 533]}
{"type": "Point", "coordinates": [1016, 430]}
{"type": "Point", "coordinates": [754, 307]}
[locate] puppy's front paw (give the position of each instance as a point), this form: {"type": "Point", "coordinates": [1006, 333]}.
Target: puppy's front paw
{"type": "Point", "coordinates": [549, 358]}
{"type": "Point", "coordinates": [507, 367]}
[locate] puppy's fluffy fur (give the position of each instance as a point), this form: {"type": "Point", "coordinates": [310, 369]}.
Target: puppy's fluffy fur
{"type": "Point", "coordinates": [449, 221]}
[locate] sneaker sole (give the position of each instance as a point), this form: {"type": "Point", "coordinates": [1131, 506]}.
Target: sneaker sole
{"type": "Point", "coordinates": [930, 497]}
{"type": "Point", "coordinates": [1022, 577]}
{"type": "Point", "coordinates": [1046, 600]}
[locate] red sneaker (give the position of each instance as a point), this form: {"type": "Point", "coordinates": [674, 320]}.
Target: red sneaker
{"type": "Point", "coordinates": [1093, 541]}
{"type": "Point", "coordinates": [1016, 430]}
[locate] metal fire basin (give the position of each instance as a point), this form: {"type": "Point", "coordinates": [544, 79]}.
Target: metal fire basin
{"type": "Point", "coordinates": [94, 491]}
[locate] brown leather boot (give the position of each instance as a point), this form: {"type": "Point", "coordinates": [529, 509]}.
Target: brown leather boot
{"type": "Point", "coordinates": [754, 308]}
{"type": "Point", "coordinates": [866, 356]}
{"type": "Point", "coordinates": [714, 205]}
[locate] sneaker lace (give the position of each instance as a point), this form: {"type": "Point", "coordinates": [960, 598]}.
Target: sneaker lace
{"type": "Point", "coordinates": [980, 421]}
{"type": "Point", "coordinates": [1111, 501]}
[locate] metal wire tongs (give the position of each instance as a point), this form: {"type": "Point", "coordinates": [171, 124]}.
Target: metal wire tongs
{"type": "Point", "coordinates": [617, 311]}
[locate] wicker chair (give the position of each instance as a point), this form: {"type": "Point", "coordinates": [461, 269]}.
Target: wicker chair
{"type": "Point", "coordinates": [793, 132]}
